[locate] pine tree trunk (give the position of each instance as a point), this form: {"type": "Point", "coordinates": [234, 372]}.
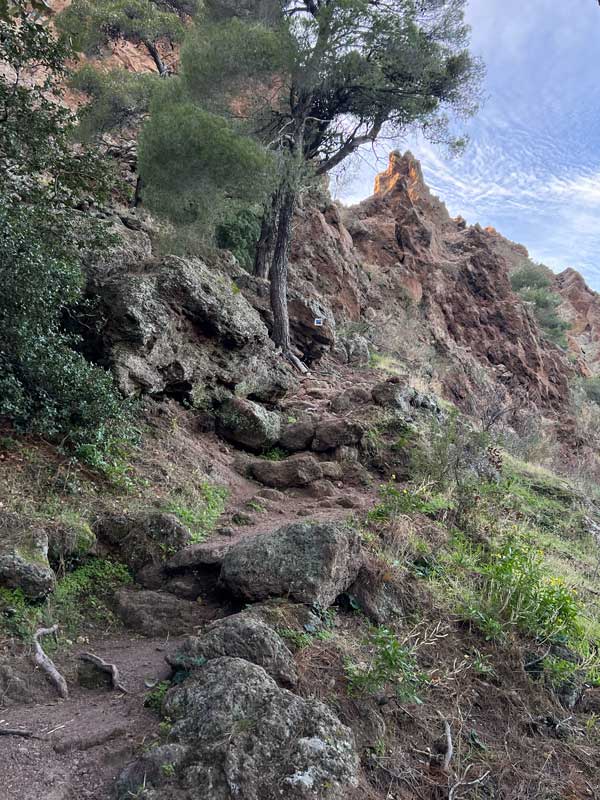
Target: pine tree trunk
{"type": "Point", "coordinates": [279, 272]}
{"type": "Point", "coordinates": [264, 248]}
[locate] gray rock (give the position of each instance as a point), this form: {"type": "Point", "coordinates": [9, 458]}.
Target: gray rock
{"type": "Point", "coordinates": [335, 432]}
{"type": "Point", "coordinates": [168, 325]}
{"type": "Point", "coordinates": [319, 489]}
{"type": "Point", "coordinates": [297, 436]}
{"type": "Point", "coordinates": [395, 394]}
{"type": "Point", "coordinates": [380, 596]}
{"type": "Point", "coordinates": [350, 399]}
{"type": "Point", "coordinates": [143, 538]}
{"type": "Point", "coordinates": [248, 424]}
{"type": "Point", "coordinates": [239, 636]}
{"type": "Point", "coordinates": [299, 470]}
{"type": "Point", "coordinates": [154, 768]}
{"type": "Point", "coordinates": [69, 541]}
{"type": "Point", "coordinates": [308, 561]}
{"type": "Point", "coordinates": [247, 739]}
{"type": "Point", "coordinates": [198, 555]}
{"type": "Point", "coordinates": [24, 556]}
{"type": "Point", "coordinates": [156, 613]}
{"type": "Point", "coordinates": [352, 349]}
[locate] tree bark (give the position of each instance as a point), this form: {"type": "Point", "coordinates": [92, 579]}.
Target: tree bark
{"type": "Point", "coordinates": [264, 248]}
{"type": "Point", "coordinates": [279, 273]}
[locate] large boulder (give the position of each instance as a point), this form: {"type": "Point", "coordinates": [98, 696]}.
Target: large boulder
{"type": "Point", "coordinates": [239, 636]}
{"type": "Point", "coordinates": [336, 432]}
{"type": "Point", "coordinates": [247, 739]}
{"type": "Point", "coordinates": [300, 470]}
{"type": "Point", "coordinates": [143, 538]}
{"type": "Point", "coordinates": [179, 328]}
{"type": "Point", "coordinates": [296, 436]}
{"type": "Point", "coordinates": [24, 556]}
{"type": "Point", "coordinates": [248, 424]}
{"type": "Point", "coordinates": [310, 562]}
{"type": "Point", "coordinates": [156, 613]}
{"type": "Point", "coordinates": [69, 542]}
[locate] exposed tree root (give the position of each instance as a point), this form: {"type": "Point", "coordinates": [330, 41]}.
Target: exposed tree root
{"type": "Point", "coordinates": [295, 362]}
{"type": "Point", "coordinates": [105, 667]}
{"type": "Point", "coordinates": [46, 664]}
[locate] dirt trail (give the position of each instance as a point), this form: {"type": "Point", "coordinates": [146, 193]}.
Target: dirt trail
{"type": "Point", "coordinates": [84, 741]}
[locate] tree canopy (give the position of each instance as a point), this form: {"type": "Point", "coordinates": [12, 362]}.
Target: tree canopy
{"type": "Point", "coordinates": [45, 384]}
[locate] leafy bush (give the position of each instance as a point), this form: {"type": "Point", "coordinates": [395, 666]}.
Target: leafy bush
{"type": "Point", "coordinates": [395, 501]}
{"type": "Point", "coordinates": [81, 596]}
{"type": "Point", "coordinates": [534, 285]}
{"type": "Point", "coordinates": [239, 232]}
{"type": "Point", "coordinates": [516, 592]}
{"type": "Point", "coordinates": [392, 664]}
{"type": "Point", "coordinates": [46, 386]}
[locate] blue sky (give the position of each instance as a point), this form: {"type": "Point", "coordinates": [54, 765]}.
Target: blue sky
{"type": "Point", "coordinates": [532, 169]}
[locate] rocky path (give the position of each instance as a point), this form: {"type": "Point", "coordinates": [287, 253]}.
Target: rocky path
{"type": "Point", "coordinates": [81, 745]}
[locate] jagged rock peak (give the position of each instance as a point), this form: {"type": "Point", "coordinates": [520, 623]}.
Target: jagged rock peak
{"type": "Point", "coordinates": [403, 173]}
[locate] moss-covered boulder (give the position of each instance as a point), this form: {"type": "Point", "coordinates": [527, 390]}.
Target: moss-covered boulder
{"type": "Point", "coordinates": [24, 561]}
{"type": "Point", "coordinates": [248, 424]}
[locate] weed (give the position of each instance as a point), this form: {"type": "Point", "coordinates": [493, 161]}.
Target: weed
{"type": "Point", "coordinates": [154, 698]}
{"type": "Point", "coordinates": [298, 639]}
{"type": "Point", "coordinates": [168, 770]}
{"type": "Point", "coordinates": [274, 454]}
{"type": "Point", "coordinates": [395, 501]}
{"type": "Point", "coordinates": [392, 663]}
{"type": "Point", "coordinates": [203, 513]}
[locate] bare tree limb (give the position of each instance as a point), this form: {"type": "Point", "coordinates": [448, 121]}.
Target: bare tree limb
{"type": "Point", "coordinates": [46, 664]}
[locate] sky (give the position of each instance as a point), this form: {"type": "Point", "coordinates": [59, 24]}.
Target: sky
{"type": "Point", "coordinates": [532, 168]}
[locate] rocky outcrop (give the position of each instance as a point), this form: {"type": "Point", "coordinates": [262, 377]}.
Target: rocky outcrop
{"type": "Point", "coordinates": [310, 562]}
{"type": "Point", "coordinates": [581, 309]}
{"type": "Point", "coordinates": [298, 470]}
{"type": "Point", "coordinates": [144, 538]}
{"type": "Point", "coordinates": [239, 636]}
{"type": "Point", "coordinates": [248, 424]}
{"type": "Point", "coordinates": [245, 738]}
{"type": "Point", "coordinates": [177, 327]}
{"type": "Point", "coordinates": [24, 556]}
{"type": "Point", "coordinates": [461, 285]}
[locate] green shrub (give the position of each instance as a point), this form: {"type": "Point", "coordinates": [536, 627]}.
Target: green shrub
{"type": "Point", "coordinates": [46, 385]}
{"type": "Point", "coordinates": [396, 501]}
{"type": "Point", "coordinates": [80, 597]}
{"type": "Point", "coordinates": [391, 664]}
{"type": "Point", "coordinates": [534, 285]}
{"type": "Point", "coordinates": [515, 592]}
{"type": "Point", "coordinates": [154, 698]}
{"type": "Point", "coordinates": [239, 232]}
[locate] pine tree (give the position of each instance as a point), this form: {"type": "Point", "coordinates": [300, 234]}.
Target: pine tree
{"type": "Point", "coordinates": [312, 81]}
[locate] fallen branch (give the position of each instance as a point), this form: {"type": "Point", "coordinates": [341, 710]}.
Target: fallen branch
{"type": "Point", "coordinates": [463, 783]}
{"type": "Point", "coordinates": [105, 667]}
{"type": "Point", "coordinates": [16, 732]}
{"type": "Point", "coordinates": [46, 664]}
{"type": "Point", "coordinates": [449, 748]}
